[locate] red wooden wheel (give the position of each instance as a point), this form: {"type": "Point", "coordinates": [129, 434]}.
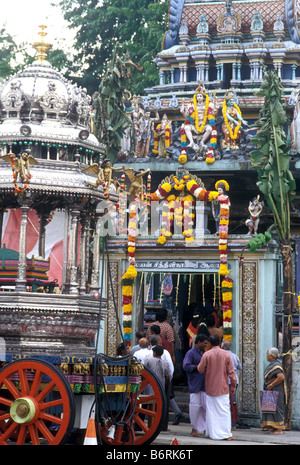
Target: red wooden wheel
{"type": "Point", "coordinates": [145, 415]}
{"type": "Point", "coordinates": [36, 404]}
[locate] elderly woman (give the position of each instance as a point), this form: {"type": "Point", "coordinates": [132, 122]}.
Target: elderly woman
{"type": "Point", "coordinates": [274, 381]}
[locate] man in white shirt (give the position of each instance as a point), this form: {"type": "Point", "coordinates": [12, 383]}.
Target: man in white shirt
{"type": "Point", "coordinates": [155, 340]}
{"type": "Point", "coordinates": [144, 351]}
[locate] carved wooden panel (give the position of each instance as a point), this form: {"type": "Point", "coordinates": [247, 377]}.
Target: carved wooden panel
{"type": "Point", "coordinates": [248, 340]}
{"type": "Point", "coordinates": [113, 300]}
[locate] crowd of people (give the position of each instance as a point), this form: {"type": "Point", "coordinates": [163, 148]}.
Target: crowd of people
{"type": "Point", "coordinates": [212, 375]}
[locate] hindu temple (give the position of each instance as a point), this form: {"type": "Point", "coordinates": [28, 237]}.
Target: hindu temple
{"type": "Point", "coordinates": [194, 131]}
{"type": "Point", "coordinates": [183, 191]}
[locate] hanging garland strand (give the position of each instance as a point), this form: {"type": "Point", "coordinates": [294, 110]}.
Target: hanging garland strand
{"type": "Point", "coordinates": [129, 276]}
{"type": "Point", "coordinates": [222, 198]}
{"type": "Point", "coordinates": [227, 285]}
{"type": "Point", "coordinates": [207, 196]}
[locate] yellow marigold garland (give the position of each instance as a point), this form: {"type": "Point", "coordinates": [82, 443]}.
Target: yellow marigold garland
{"type": "Point", "coordinates": [204, 195]}
{"type": "Point", "coordinates": [207, 196]}
{"type": "Point", "coordinates": [182, 158]}
{"type": "Point", "coordinates": [129, 275]}
{"type": "Point", "coordinates": [227, 285]}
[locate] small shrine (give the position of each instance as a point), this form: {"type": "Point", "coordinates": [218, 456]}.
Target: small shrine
{"type": "Point", "coordinates": [49, 255]}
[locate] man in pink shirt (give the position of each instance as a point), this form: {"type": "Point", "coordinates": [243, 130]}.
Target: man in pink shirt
{"type": "Point", "coordinates": [218, 367]}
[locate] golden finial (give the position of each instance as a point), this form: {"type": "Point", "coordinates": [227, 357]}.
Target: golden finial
{"type": "Point", "coordinates": [42, 47]}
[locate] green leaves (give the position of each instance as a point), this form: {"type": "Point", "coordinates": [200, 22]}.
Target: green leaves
{"type": "Point", "coordinates": [136, 25]}
{"type": "Point", "coordinates": [259, 241]}
{"type": "Point", "coordinates": [110, 117]}
{"type": "Point", "coordinates": [271, 157]}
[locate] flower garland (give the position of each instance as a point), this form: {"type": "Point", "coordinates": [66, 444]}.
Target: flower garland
{"type": "Point", "coordinates": [148, 195]}
{"type": "Point", "coordinates": [187, 219]}
{"type": "Point", "coordinates": [175, 209]}
{"type": "Point", "coordinates": [223, 226]}
{"type": "Point", "coordinates": [167, 219]}
{"type": "Point", "coordinates": [227, 285]}
{"type": "Point", "coordinates": [161, 192]}
{"type": "Point", "coordinates": [182, 158]}
{"type": "Point", "coordinates": [129, 276]}
{"type": "Point", "coordinates": [194, 119]}
{"type": "Point", "coordinates": [122, 205]}
{"type": "Point", "coordinates": [167, 138]}
{"type": "Point", "coordinates": [180, 184]}
{"type": "Point", "coordinates": [233, 135]}
{"type": "Point", "coordinates": [205, 195]}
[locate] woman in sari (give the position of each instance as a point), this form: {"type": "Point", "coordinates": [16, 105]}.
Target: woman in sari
{"type": "Point", "coordinates": [274, 381]}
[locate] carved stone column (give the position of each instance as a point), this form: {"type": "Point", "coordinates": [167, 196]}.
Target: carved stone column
{"type": "Point", "coordinates": [248, 340]}
{"type": "Point", "coordinates": [96, 255]}
{"type": "Point", "coordinates": [43, 221]}
{"type": "Point", "coordinates": [21, 280]}
{"type": "Point", "coordinates": [112, 337]}
{"type": "Point", "coordinates": [85, 221]}
{"type": "Point", "coordinates": [1, 226]}
{"type": "Point", "coordinates": [72, 284]}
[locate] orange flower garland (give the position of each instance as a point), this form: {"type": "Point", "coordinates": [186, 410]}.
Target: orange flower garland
{"type": "Point", "coordinates": [204, 195]}
{"type": "Point", "coordinates": [129, 276]}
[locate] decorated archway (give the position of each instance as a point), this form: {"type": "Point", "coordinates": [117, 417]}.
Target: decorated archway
{"type": "Point", "coordinates": [178, 208]}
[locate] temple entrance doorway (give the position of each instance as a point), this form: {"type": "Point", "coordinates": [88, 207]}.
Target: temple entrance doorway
{"type": "Point", "coordinates": [190, 298]}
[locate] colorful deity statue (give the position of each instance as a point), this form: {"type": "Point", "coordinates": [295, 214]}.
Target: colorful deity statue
{"type": "Point", "coordinates": [163, 137]}
{"type": "Point", "coordinates": [233, 121]}
{"type": "Point", "coordinates": [255, 209]}
{"type": "Point", "coordinates": [199, 124]}
{"type": "Point", "coordinates": [144, 128]}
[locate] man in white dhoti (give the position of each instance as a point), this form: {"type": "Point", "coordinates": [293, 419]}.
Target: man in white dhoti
{"type": "Point", "coordinates": [218, 367]}
{"type": "Point", "coordinates": [196, 382]}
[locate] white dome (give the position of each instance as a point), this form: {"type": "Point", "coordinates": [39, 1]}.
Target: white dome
{"type": "Point", "coordinates": [40, 104]}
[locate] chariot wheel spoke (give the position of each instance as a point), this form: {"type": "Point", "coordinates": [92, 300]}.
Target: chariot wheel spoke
{"type": "Point", "coordinates": [44, 398]}
{"type": "Point", "coordinates": [145, 415]}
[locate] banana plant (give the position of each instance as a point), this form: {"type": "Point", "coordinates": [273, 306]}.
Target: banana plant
{"type": "Point", "coordinates": [276, 182]}
{"type": "Point", "coordinates": [110, 118]}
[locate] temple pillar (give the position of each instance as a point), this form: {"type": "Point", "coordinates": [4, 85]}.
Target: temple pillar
{"type": "Point", "coordinates": [96, 254]}
{"type": "Point", "coordinates": [83, 263]}
{"type": "Point", "coordinates": [21, 280]}
{"type": "Point", "coordinates": [43, 221]}
{"type": "Point", "coordinates": [172, 75]}
{"type": "Point", "coordinates": [72, 268]}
